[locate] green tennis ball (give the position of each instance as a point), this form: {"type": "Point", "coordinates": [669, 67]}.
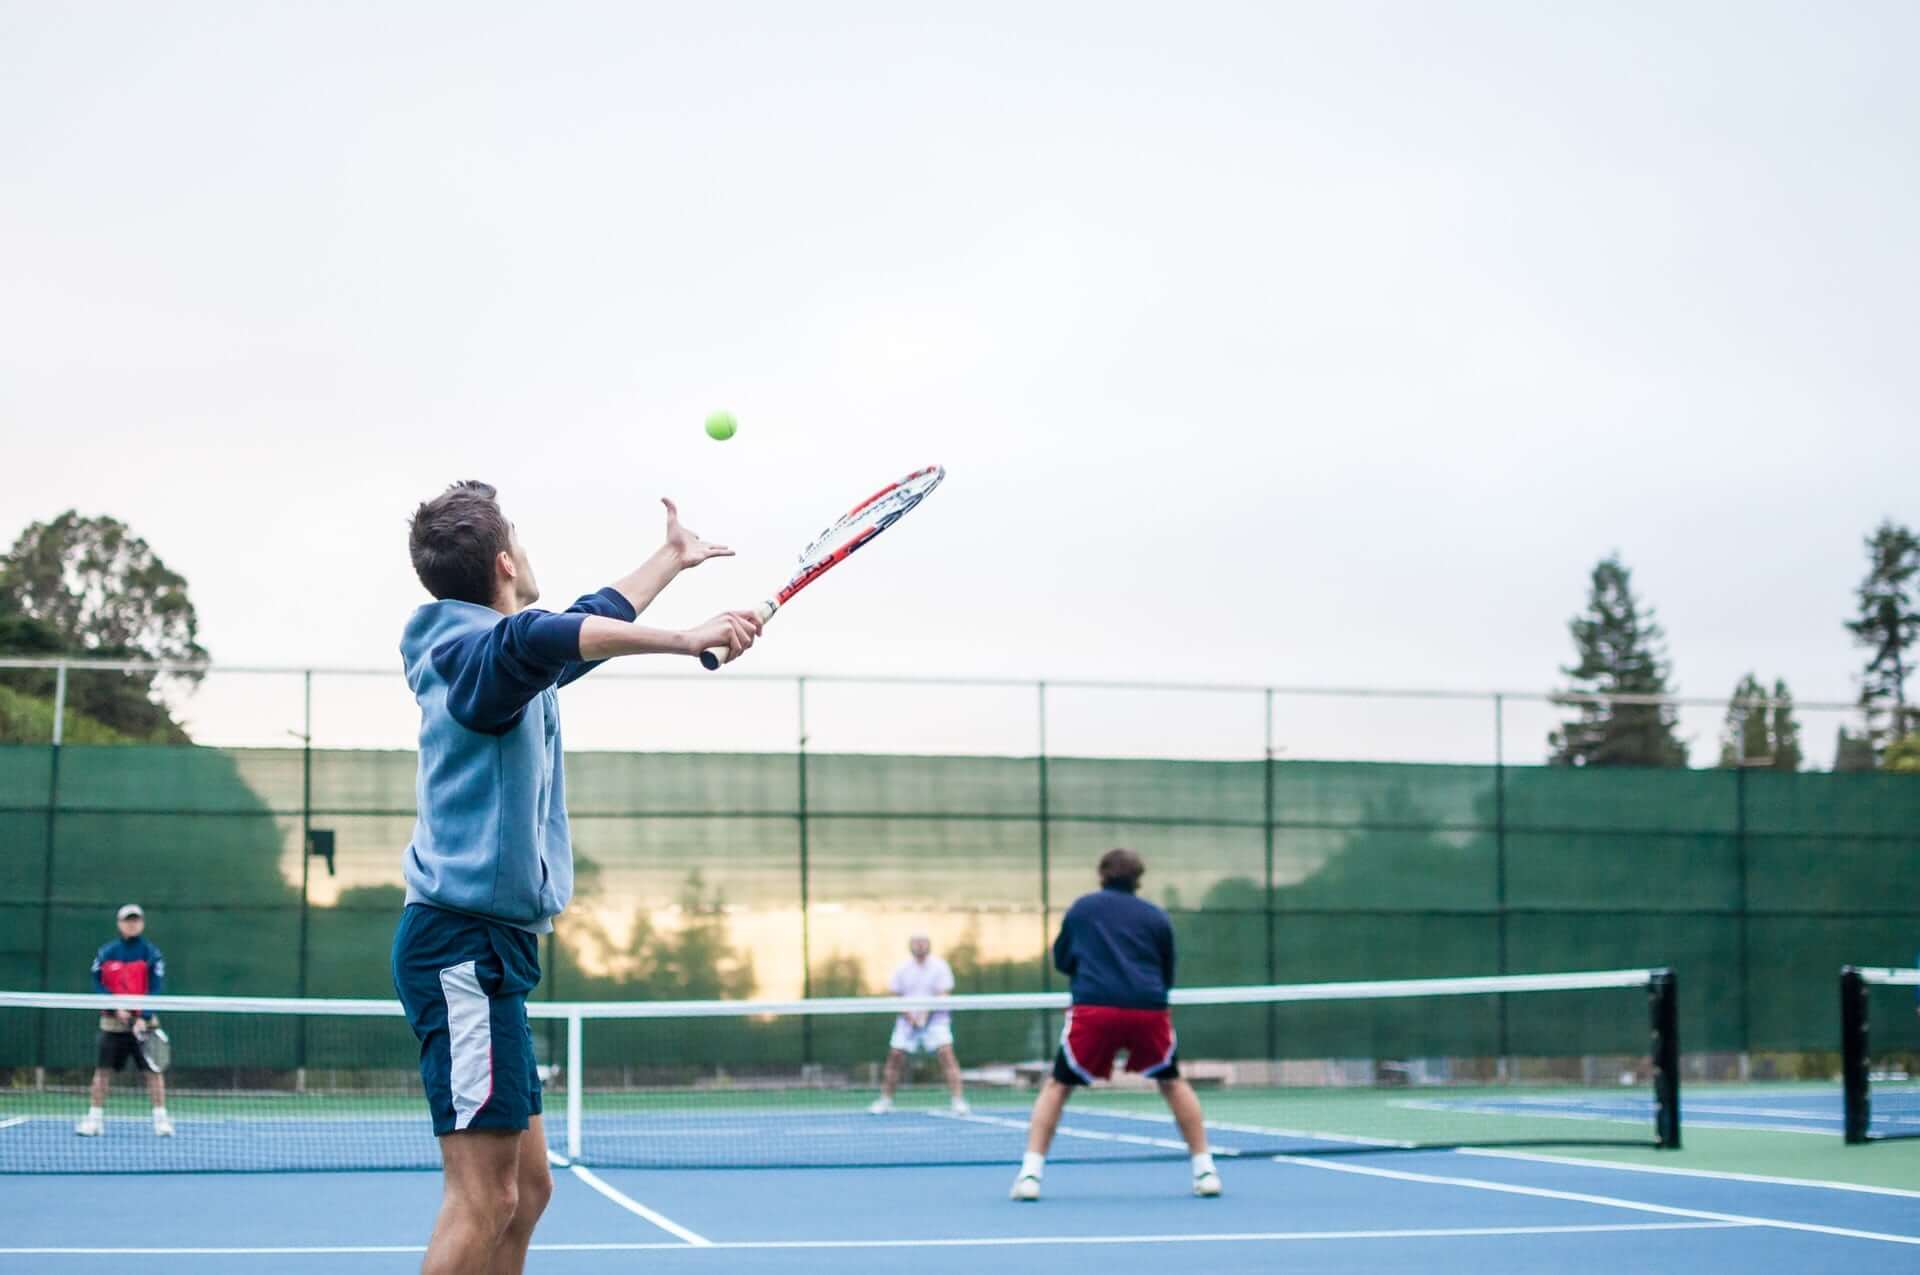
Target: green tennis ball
{"type": "Point", "coordinates": [720, 426]}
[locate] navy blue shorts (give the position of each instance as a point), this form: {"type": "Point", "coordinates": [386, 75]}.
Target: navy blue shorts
{"type": "Point", "coordinates": [464, 982]}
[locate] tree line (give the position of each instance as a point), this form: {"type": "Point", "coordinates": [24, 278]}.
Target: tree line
{"type": "Point", "coordinates": [1620, 651]}
{"type": "Point", "coordinates": [85, 586]}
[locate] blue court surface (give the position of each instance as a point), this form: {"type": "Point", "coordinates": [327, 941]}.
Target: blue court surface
{"type": "Point", "coordinates": [1483, 1212]}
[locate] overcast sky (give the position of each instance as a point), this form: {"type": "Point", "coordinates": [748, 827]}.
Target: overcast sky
{"type": "Point", "coordinates": [1274, 343]}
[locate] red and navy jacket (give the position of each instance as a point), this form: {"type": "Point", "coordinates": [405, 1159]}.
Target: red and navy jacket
{"type": "Point", "coordinates": [130, 967]}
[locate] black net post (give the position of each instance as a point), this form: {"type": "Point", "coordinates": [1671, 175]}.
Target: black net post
{"type": "Point", "coordinates": [1853, 1054]}
{"type": "Point", "coordinates": [1663, 1004]}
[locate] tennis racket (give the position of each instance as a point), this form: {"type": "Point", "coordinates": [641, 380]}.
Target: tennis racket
{"type": "Point", "coordinates": [834, 545]}
{"type": "Point", "coordinates": [156, 1051]}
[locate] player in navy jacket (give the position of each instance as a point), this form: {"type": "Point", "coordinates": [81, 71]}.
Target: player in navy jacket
{"type": "Point", "coordinates": [129, 966]}
{"type": "Point", "coordinates": [1117, 949]}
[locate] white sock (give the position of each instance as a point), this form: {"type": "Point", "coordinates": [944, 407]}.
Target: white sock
{"type": "Point", "coordinates": [1032, 1164]}
{"type": "Point", "coordinates": [159, 1113]}
{"type": "Point", "coordinates": [96, 1113]}
{"type": "Point", "coordinates": [1203, 1163]}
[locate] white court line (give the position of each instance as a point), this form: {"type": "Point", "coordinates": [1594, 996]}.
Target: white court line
{"type": "Point", "coordinates": [1607, 1201]}
{"type": "Point", "coordinates": [627, 1202]}
{"type": "Point", "coordinates": [1545, 1113]}
{"type": "Point", "coordinates": [1093, 1135]}
{"type": "Point", "coordinates": [1270, 1131]}
{"type": "Point", "coordinates": [996, 1241]}
{"type": "Point", "coordinates": [1502, 1154]}
{"type": "Point", "coordinates": [8, 1124]}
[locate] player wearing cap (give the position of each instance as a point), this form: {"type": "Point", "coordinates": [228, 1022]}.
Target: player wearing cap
{"type": "Point", "coordinates": [1118, 950]}
{"type": "Point", "coordinates": [921, 1031]}
{"type": "Point", "coordinates": [129, 966]}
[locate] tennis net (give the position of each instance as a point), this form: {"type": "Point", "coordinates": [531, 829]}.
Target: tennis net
{"type": "Point", "coordinates": [1880, 1052]}
{"type": "Point", "coordinates": [1314, 1068]}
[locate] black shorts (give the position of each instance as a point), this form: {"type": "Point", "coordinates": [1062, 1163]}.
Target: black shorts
{"type": "Point", "coordinates": [116, 1049]}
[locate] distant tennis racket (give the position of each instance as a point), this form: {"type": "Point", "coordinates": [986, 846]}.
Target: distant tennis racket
{"type": "Point", "coordinates": [832, 547]}
{"type": "Point", "coordinates": [156, 1051]}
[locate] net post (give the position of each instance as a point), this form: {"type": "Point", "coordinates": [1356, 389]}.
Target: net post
{"type": "Point", "coordinates": [1853, 1055]}
{"type": "Point", "coordinates": [576, 1083]}
{"type": "Point", "coordinates": [1663, 1003]}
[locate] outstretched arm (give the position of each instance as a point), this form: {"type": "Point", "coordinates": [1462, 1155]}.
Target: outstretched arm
{"type": "Point", "coordinates": [682, 549]}
{"type": "Point", "coordinates": [602, 638]}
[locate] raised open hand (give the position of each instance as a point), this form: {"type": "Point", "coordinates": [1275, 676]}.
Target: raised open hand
{"type": "Point", "coordinates": [687, 546]}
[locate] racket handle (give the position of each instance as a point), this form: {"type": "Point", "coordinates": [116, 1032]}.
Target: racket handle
{"type": "Point", "coordinates": [714, 656]}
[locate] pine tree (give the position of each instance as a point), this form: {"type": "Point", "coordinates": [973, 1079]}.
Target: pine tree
{"type": "Point", "coordinates": [1889, 624]}
{"type": "Point", "coordinates": [1758, 733]}
{"type": "Point", "coordinates": [1621, 652]}
{"type": "Point", "coordinates": [1787, 753]}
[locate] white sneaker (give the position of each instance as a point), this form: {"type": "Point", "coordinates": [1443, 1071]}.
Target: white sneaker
{"type": "Point", "coordinates": [1026, 1188]}
{"type": "Point", "coordinates": [90, 1126]}
{"type": "Point", "coordinates": [1206, 1185]}
{"type": "Point", "coordinates": [162, 1125]}
{"type": "Point", "coordinates": [960, 1107]}
{"type": "Point", "coordinates": [880, 1107]}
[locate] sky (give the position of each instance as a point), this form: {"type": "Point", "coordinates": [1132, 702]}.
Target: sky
{"type": "Point", "coordinates": [1297, 344]}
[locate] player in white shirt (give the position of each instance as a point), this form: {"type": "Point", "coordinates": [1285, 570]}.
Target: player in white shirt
{"type": "Point", "coordinates": [921, 1031]}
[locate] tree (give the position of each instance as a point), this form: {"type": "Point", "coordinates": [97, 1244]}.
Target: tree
{"type": "Point", "coordinates": [1889, 623]}
{"type": "Point", "coordinates": [1621, 652]}
{"type": "Point", "coordinates": [1903, 755]}
{"type": "Point", "coordinates": [1759, 733]}
{"type": "Point", "coordinates": [89, 586]}
{"type": "Point", "coordinates": [1852, 753]}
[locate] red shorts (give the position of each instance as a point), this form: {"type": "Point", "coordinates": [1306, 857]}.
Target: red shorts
{"type": "Point", "coordinates": [1095, 1033]}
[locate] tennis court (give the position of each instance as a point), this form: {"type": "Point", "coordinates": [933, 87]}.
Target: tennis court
{"type": "Point", "coordinates": [1413, 1210]}
{"type": "Point", "coordinates": [1431, 1164]}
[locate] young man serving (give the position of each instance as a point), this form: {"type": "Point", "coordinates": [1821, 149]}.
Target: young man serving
{"type": "Point", "coordinates": [491, 863]}
{"type": "Point", "coordinates": [1118, 950]}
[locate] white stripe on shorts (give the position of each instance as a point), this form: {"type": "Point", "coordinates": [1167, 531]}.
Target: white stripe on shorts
{"type": "Point", "coordinates": [470, 1040]}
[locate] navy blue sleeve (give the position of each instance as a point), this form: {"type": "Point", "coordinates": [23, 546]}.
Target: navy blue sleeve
{"type": "Point", "coordinates": [1166, 949]}
{"type": "Point", "coordinates": [610, 603]}
{"type": "Point", "coordinates": [1063, 959]}
{"type": "Point", "coordinates": [494, 674]}
{"type": "Point", "coordinates": [99, 959]}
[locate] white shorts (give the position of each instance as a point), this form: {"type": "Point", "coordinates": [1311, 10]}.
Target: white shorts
{"type": "Point", "coordinates": [925, 1040]}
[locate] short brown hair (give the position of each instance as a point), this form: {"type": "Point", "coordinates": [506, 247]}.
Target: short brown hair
{"type": "Point", "coordinates": [1122, 868]}
{"type": "Point", "coordinates": [454, 539]}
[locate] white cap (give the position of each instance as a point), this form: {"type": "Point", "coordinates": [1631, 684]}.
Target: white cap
{"type": "Point", "coordinates": [131, 909]}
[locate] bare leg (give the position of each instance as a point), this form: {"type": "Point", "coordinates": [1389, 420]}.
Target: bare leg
{"type": "Point", "coordinates": [1185, 1106]}
{"type": "Point", "coordinates": [1046, 1116]}
{"type": "Point", "coordinates": [479, 1198]}
{"type": "Point", "coordinates": [97, 1095]}
{"type": "Point", "coordinates": [535, 1189]}
{"type": "Point", "coordinates": [950, 1065]}
{"type": "Point", "coordinates": [157, 1088]}
{"type": "Point", "coordinates": [890, 1077]}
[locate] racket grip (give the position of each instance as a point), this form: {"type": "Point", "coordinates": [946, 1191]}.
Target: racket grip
{"type": "Point", "coordinates": [714, 656]}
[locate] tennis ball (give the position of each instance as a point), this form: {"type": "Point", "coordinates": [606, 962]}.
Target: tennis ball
{"type": "Point", "coordinates": [720, 426]}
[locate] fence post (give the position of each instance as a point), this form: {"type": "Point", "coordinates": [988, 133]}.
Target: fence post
{"type": "Point", "coordinates": [1744, 969]}
{"type": "Point", "coordinates": [1046, 859]}
{"type": "Point", "coordinates": [1500, 958]}
{"type": "Point", "coordinates": [1266, 898]}
{"type": "Point", "coordinates": [47, 860]}
{"type": "Point", "coordinates": [1046, 887]}
{"type": "Point", "coordinates": [806, 914]}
